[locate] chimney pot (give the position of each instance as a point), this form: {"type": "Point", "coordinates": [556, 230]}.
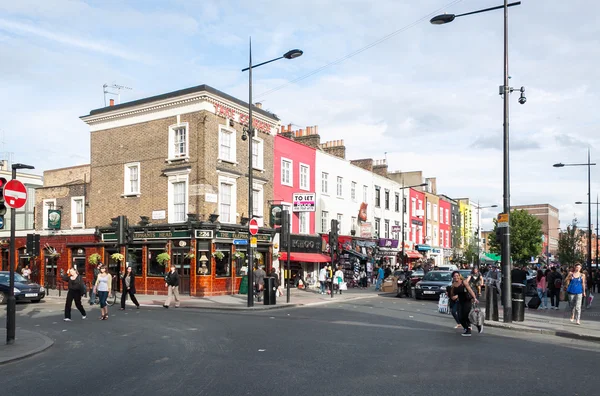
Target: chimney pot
{"type": "Point", "coordinates": [316, 127]}
{"type": "Point", "coordinates": [258, 105]}
{"type": "Point", "coordinates": [112, 102]}
{"type": "Point", "coordinates": [289, 128]}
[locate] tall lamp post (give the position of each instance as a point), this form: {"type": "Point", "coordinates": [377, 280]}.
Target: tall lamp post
{"type": "Point", "coordinates": [404, 210]}
{"type": "Point", "coordinates": [11, 303]}
{"type": "Point", "coordinates": [589, 166]}
{"type": "Point", "coordinates": [292, 54]}
{"type": "Point", "coordinates": [589, 246]}
{"type": "Point", "coordinates": [479, 230]}
{"type": "Point", "coordinates": [504, 90]}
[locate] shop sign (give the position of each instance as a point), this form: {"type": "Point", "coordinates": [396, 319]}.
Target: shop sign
{"type": "Point", "coordinates": [396, 228]}
{"type": "Point", "coordinates": [366, 231]}
{"type": "Point", "coordinates": [417, 222]}
{"type": "Point", "coordinates": [423, 247]}
{"type": "Point", "coordinates": [241, 235]}
{"type": "Point", "coordinates": [204, 234]}
{"type": "Point", "coordinates": [388, 243]}
{"type": "Point", "coordinates": [306, 244]}
{"type": "Point", "coordinates": [304, 202]}
{"type": "Point", "coordinates": [54, 217]}
{"type": "Point", "coordinates": [150, 235]}
{"type": "Point", "coordinates": [242, 118]}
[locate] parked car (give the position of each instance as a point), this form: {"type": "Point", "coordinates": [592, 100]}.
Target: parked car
{"type": "Point", "coordinates": [416, 276]}
{"type": "Point", "coordinates": [24, 289]}
{"type": "Point", "coordinates": [449, 267]}
{"type": "Point", "coordinates": [433, 284]}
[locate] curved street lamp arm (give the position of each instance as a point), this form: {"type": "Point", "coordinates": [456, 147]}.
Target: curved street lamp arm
{"type": "Point", "coordinates": [264, 63]}
{"type": "Point", "coordinates": [489, 9]}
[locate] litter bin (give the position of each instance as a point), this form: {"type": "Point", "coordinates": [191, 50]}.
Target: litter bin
{"type": "Point", "coordinates": [270, 292]}
{"type": "Point", "coordinates": [518, 302]}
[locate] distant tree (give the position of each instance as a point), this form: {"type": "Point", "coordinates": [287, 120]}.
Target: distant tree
{"type": "Point", "coordinates": [569, 245]}
{"type": "Point", "coordinates": [525, 237]}
{"type": "Point", "coordinates": [470, 254]}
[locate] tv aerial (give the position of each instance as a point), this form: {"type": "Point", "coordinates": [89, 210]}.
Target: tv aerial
{"type": "Point", "coordinates": [114, 90]}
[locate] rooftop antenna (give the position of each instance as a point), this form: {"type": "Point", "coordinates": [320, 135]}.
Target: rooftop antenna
{"type": "Point", "coordinates": [118, 88]}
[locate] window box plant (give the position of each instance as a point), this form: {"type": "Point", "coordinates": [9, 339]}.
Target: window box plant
{"type": "Point", "coordinates": [163, 258]}
{"type": "Point", "coordinates": [218, 255]}
{"type": "Point", "coordinates": [94, 258]}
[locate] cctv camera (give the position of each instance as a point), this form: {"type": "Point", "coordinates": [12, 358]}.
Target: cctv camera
{"type": "Point", "coordinates": [522, 99]}
{"type": "Point", "coordinates": [244, 136]}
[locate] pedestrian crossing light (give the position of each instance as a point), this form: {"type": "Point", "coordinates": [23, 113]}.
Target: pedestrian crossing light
{"type": "Point", "coordinates": [333, 235]}
{"type": "Point", "coordinates": [3, 208]}
{"type": "Point", "coordinates": [275, 218]}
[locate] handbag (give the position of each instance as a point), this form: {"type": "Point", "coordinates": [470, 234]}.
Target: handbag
{"type": "Point", "coordinates": [443, 303]}
{"type": "Point", "coordinates": [476, 316]}
{"type": "Point", "coordinates": [343, 286]}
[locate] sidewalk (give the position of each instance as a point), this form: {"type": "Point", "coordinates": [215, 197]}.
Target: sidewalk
{"type": "Point", "coordinates": [556, 323]}
{"type": "Point", "coordinates": [27, 343]}
{"type": "Point", "coordinates": [238, 302]}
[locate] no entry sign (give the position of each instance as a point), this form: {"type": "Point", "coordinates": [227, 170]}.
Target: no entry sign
{"type": "Point", "coordinates": [15, 194]}
{"type": "Point", "coordinates": [253, 227]}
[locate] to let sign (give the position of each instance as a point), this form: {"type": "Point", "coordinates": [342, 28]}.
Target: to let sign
{"type": "Point", "coordinates": [15, 194]}
{"type": "Point", "coordinates": [304, 202]}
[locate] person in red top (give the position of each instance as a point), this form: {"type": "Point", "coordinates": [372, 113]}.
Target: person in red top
{"type": "Point", "coordinates": [542, 289]}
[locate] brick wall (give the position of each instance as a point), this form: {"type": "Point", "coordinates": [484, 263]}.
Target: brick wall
{"type": "Point", "coordinates": [58, 177]}
{"type": "Point", "coordinates": [366, 164]}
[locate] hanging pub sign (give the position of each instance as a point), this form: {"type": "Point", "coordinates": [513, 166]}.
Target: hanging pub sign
{"type": "Point", "coordinates": [54, 217]}
{"type": "Point", "coordinates": [304, 202]}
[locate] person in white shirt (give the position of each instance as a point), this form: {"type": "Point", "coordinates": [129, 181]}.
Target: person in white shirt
{"type": "Point", "coordinates": [26, 272]}
{"type": "Point", "coordinates": [323, 278]}
{"type": "Point", "coordinates": [338, 279]}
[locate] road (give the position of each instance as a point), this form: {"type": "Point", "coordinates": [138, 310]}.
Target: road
{"type": "Point", "coordinates": [371, 346]}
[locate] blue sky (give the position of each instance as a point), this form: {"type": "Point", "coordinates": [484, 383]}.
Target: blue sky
{"type": "Point", "coordinates": [426, 99]}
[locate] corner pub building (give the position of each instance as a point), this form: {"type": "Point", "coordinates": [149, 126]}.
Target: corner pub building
{"type": "Point", "coordinates": [176, 165]}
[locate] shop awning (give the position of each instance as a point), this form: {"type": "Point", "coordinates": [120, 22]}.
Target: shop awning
{"type": "Point", "coordinates": [412, 254]}
{"type": "Point", "coordinates": [357, 254]}
{"type": "Point", "coordinates": [305, 257]}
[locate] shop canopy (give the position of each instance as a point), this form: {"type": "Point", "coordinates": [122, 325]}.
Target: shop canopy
{"type": "Point", "coordinates": [305, 257]}
{"type": "Point", "coordinates": [412, 254]}
{"type": "Point", "coordinates": [492, 257]}
{"type": "Point", "coordinates": [357, 254]}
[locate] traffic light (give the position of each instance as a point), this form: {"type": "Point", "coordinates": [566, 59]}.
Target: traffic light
{"type": "Point", "coordinates": [33, 244]}
{"type": "Point", "coordinates": [121, 227]}
{"type": "Point", "coordinates": [333, 235]}
{"type": "Point", "coordinates": [499, 235]}
{"type": "Point", "coordinates": [285, 227]}
{"type": "Point", "coordinates": [3, 208]}
{"type": "Point", "coordinates": [275, 218]}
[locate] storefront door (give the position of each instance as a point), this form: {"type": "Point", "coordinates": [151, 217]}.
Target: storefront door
{"type": "Point", "coordinates": [182, 264]}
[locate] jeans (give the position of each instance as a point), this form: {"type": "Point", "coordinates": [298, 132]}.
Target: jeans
{"type": "Point", "coordinates": [575, 301]}
{"type": "Point", "coordinates": [92, 297]}
{"type": "Point", "coordinates": [103, 296]}
{"type": "Point", "coordinates": [543, 295]}
{"type": "Point", "coordinates": [454, 310]}
{"type": "Point", "coordinates": [378, 284]}
{"type": "Point", "coordinates": [322, 287]}
{"type": "Point", "coordinates": [554, 297]}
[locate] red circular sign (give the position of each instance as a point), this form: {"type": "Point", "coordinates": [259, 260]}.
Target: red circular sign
{"type": "Point", "coordinates": [253, 227]}
{"type": "Point", "coordinates": [15, 194]}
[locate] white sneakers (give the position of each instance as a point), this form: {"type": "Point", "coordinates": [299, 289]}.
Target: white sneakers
{"type": "Point", "coordinates": [67, 320]}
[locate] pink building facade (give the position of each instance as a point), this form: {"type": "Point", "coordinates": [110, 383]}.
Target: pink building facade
{"type": "Point", "coordinates": [445, 224]}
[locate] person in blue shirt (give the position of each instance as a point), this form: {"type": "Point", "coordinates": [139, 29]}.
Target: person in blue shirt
{"type": "Point", "coordinates": [379, 278]}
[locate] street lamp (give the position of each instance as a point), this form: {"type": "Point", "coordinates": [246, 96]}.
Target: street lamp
{"type": "Point", "coordinates": [292, 54]}
{"type": "Point", "coordinates": [404, 210]}
{"type": "Point", "coordinates": [478, 230]}
{"type": "Point", "coordinates": [589, 166]}
{"type": "Point", "coordinates": [504, 90]}
{"type": "Point", "coordinates": [11, 304]}
{"type": "Point", "coordinates": [589, 203]}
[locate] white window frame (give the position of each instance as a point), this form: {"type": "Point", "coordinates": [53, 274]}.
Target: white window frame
{"type": "Point", "coordinates": [435, 212]}
{"type": "Point", "coordinates": [447, 216]}
{"type": "Point", "coordinates": [413, 206]}
{"type": "Point", "coordinates": [233, 147]}
{"type": "Point", "coordinates": [324, 221]}
{"type": "Point", "coordinates": [290, 181]}
{"type": "Point", "coordinates": [354, 223]}
{"type": "Point", "coordinates": [230, 179]}
{"type": "Point", "coordinates": [353, 191]}
{"type": "Point", "coordinates": [378, 227]}
{"type": "Point", "coordinates": [386, 228]}
{"type": "Point", "coordinates": [304, 186]}
{"type": "Point", "coordinates": [324, 183]}
{"type": "Point", "coordinates": [304, 223]}
{"type": "Point", "coordinates": [340, 219]}
{"type": "Point", "coordinates": [127, 180]}
{"type": "Point", "coordinates": [260, 154]}
{"type": "Point", "coordinates": [339, 187]}
{"type": "Point", "coordinates": [259, 187]}
{"type": "Point", "coordinates": [74, 223]}
{"type": "Point", "coordinates": [45, 208]}
{"type": "Point", "coordinates": [172, 156]}
{"type": "Point", "coordinates": [178, 177]}
{"type": "Point", "coordinates": [365, 194]}
{"type": "Point", "coordinates": [428, 211]}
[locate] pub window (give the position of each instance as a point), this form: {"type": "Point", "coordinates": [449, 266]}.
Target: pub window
{"type": "Point", "coordinates": [260, 258]}
{"type": "Point", "coordinates": [241, 261]}
{"type": "Point", "coordinates": [222, 257]}
{"type": "Point", "coordinates": [23, 259]}
{"type": "Point", "coordinates": [203, 258]}
{"type": "Point", "coordinates": [134, 260]}
{"type": "Point", "coordinates": [154, 268]}
{"type": "Point", "coordinates": [79, 260]}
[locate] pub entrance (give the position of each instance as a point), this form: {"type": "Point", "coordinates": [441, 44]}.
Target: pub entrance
{"type": "Point", "coordinates": [180, 260]}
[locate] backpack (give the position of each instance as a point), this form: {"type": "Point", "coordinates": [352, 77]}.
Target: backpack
{"type": "Point", "coordinates": [557, 283]}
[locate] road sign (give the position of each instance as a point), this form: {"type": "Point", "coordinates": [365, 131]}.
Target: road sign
{"type": "Point", "coordinates": [253, 227]}
{"type": "Point", "coordinates": [240, 241]}
{"type": "Point", "coordinates": [15, 194]}
{"type": "Point", "coordinates": [502, 217]}
{"type": "Point", "coordinates": [253, 242]}
{"type": "Point", "coordinates": [503, 224]}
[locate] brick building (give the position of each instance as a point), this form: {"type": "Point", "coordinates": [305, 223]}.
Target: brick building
{"type": "Point", "coordinates": [549, 216]}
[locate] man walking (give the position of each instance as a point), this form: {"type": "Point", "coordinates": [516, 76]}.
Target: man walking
{"type": "Point", "coordinates": [259, 281]}
{"type": "Point", "coordinates": [172, 283]}
{"type": "Point", "coordinates": [554, 286]}
{"type": "Point", "coordinates": [323, 278]}
{"type": "Point", "coordinates": [380, 275]}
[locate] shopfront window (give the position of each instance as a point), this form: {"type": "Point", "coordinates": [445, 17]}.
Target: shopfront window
{"type": "Point", "coordinates": [23, 259]}
{"type": "Point", "coordinates": [78, 260]}
{"type": "Point", "coordinates": [203, 262]}
{"type": "Point", "coordinates": [134, 259]}
{"type": "Point", "coordinates": [154, 268]}
{"type": "Point", "coordinates": [260, 258]}
{"type": "Point", "coordinates": [222, 257]}
{"type": "Point", "coordinates": [241, 261]}
{"type": "Point", "coordinates": [114, 266]}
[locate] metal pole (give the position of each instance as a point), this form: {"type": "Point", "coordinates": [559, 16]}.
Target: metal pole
{"type": "Point", "coordinates": [288, 248]}
{"type": "Point", "coordinates": [478, 253]}
{"type": "Point", "coordinates": [11, 306]}
{"type": "Point", "coordinates": [589, 247]}
{"type": "Point", "coordinates": [250, 184]}
{"type": "Point", "coordinates": [597, 263]}
{"type": "Point", "coordinates": [506, 278]}
{"type": "Point", "coordinates": [403, 225]}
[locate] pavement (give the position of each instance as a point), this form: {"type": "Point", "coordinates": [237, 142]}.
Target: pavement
{"type": "Point", "coordinates": [27, 343]}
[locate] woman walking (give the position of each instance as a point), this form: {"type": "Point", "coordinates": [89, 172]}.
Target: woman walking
{"type": "Point", "coordinates": [74, 293]}
{"type": "Point", "coordinates": [128, 283]}
{"type": "Point", "coordinates": [542, 289]}
{"type": "Point", "coordinates": [338, 278]}
{"type": "Point", "coordinates": [101, 288]}
{"type": "Point", "coordinates": [462, 293]}
{"type": "Point", "coordinates": [576, 287]}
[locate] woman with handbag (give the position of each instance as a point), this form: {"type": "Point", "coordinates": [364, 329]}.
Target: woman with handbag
{"type": "Point", "coordinates": [128, 283]}
{"type": "Point", "coordinates": [102, 288]}
{"type": "Point", "coordinates": [338, 278]}
{"type": "Point", "coordinates": [576, 287]}
{"type": "Point", "coordinates": [461, 292]}
{"type": "Point", "coordinates": [76, 286]}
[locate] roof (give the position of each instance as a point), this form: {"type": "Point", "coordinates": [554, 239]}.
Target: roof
{"type": "Point", "coordinates": [181, 92]}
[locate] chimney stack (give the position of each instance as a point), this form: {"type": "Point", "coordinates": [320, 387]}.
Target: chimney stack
{"type": "Point", "coordinates": [111, 102]}
{"type": "Point", "coordinates": [309, 137]}
{"type": "Point", "coordinates": [335, 147]}
{"type": "Point", "coordinates": [258, 105]}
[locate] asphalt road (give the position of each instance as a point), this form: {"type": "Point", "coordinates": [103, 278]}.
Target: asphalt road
{"type": "Point", "coordinates": [373, 346]}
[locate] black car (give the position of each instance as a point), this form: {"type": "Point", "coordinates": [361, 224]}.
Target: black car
{"type": "Point", "coordinates": [433, 284]}
{"type": "Point", "coordinates": [24, 289]}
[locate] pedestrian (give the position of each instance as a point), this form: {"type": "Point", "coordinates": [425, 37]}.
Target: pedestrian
{"type": "Point", "coordinates": [102, 287]}
{"type": "Point", "coordinates": [542, 287]}
{"type": "Point", "coordinates": [300, 278]}
{"type": "Point", "coordinates": [323, 278]}
{"type": "Point", "coordinates": [74, 293]}
{"type": "Point", "coordinates": [554, 285]}
{"type": "Point", "coordinates": [475, 281]}
{"type": "Point", "coordinates": [128, 283]}
{"type": "Point", "coordinates": [597, 279]}
{"type": "Point", "coordinates": [26, 272]}
{"type": "Point", "coordinates": [338, 278]}
{"type": "Point", "coordinates": [362, 276]}
{"type": "Point", "coordinates": [172, 285]}
{"type": "Point", "coordinates": [93, 291]}
{"type": "Point", "coordinates": [259, 281]}
{"type": "Point", "coordinates": [576, 287]}
{"type": "Point", "coordinates": [462, 293]}
{"type": "Point", "coordinates": [453, 305]}
{"type": "Point", "coordinates": [380, 275]}
{"type": "Point", "coordinates": [275, 277]}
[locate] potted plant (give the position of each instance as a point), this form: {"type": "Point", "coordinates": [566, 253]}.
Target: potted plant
{"type": "Point", "coordinates": [94, 258]}
{"type": "Point", "coordinates": [239, 255]}
{"type": "Point", "coordinates": [258, 255]}
{"type": "Point", "coordinates": [163, 258]}
{"type": "Point", "coordinates": [117, 257]}
{"type": "Point", "coordinates": [190, 255]}
{"type": "Point", "coordinates": [218, 255]}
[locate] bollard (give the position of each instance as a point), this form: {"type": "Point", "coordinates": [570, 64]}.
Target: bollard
{"type": "Point", "coordinates": [491, 303]}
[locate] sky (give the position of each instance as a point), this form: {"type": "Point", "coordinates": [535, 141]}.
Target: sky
{"type": "Point", "coordinates": [426, 98]}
